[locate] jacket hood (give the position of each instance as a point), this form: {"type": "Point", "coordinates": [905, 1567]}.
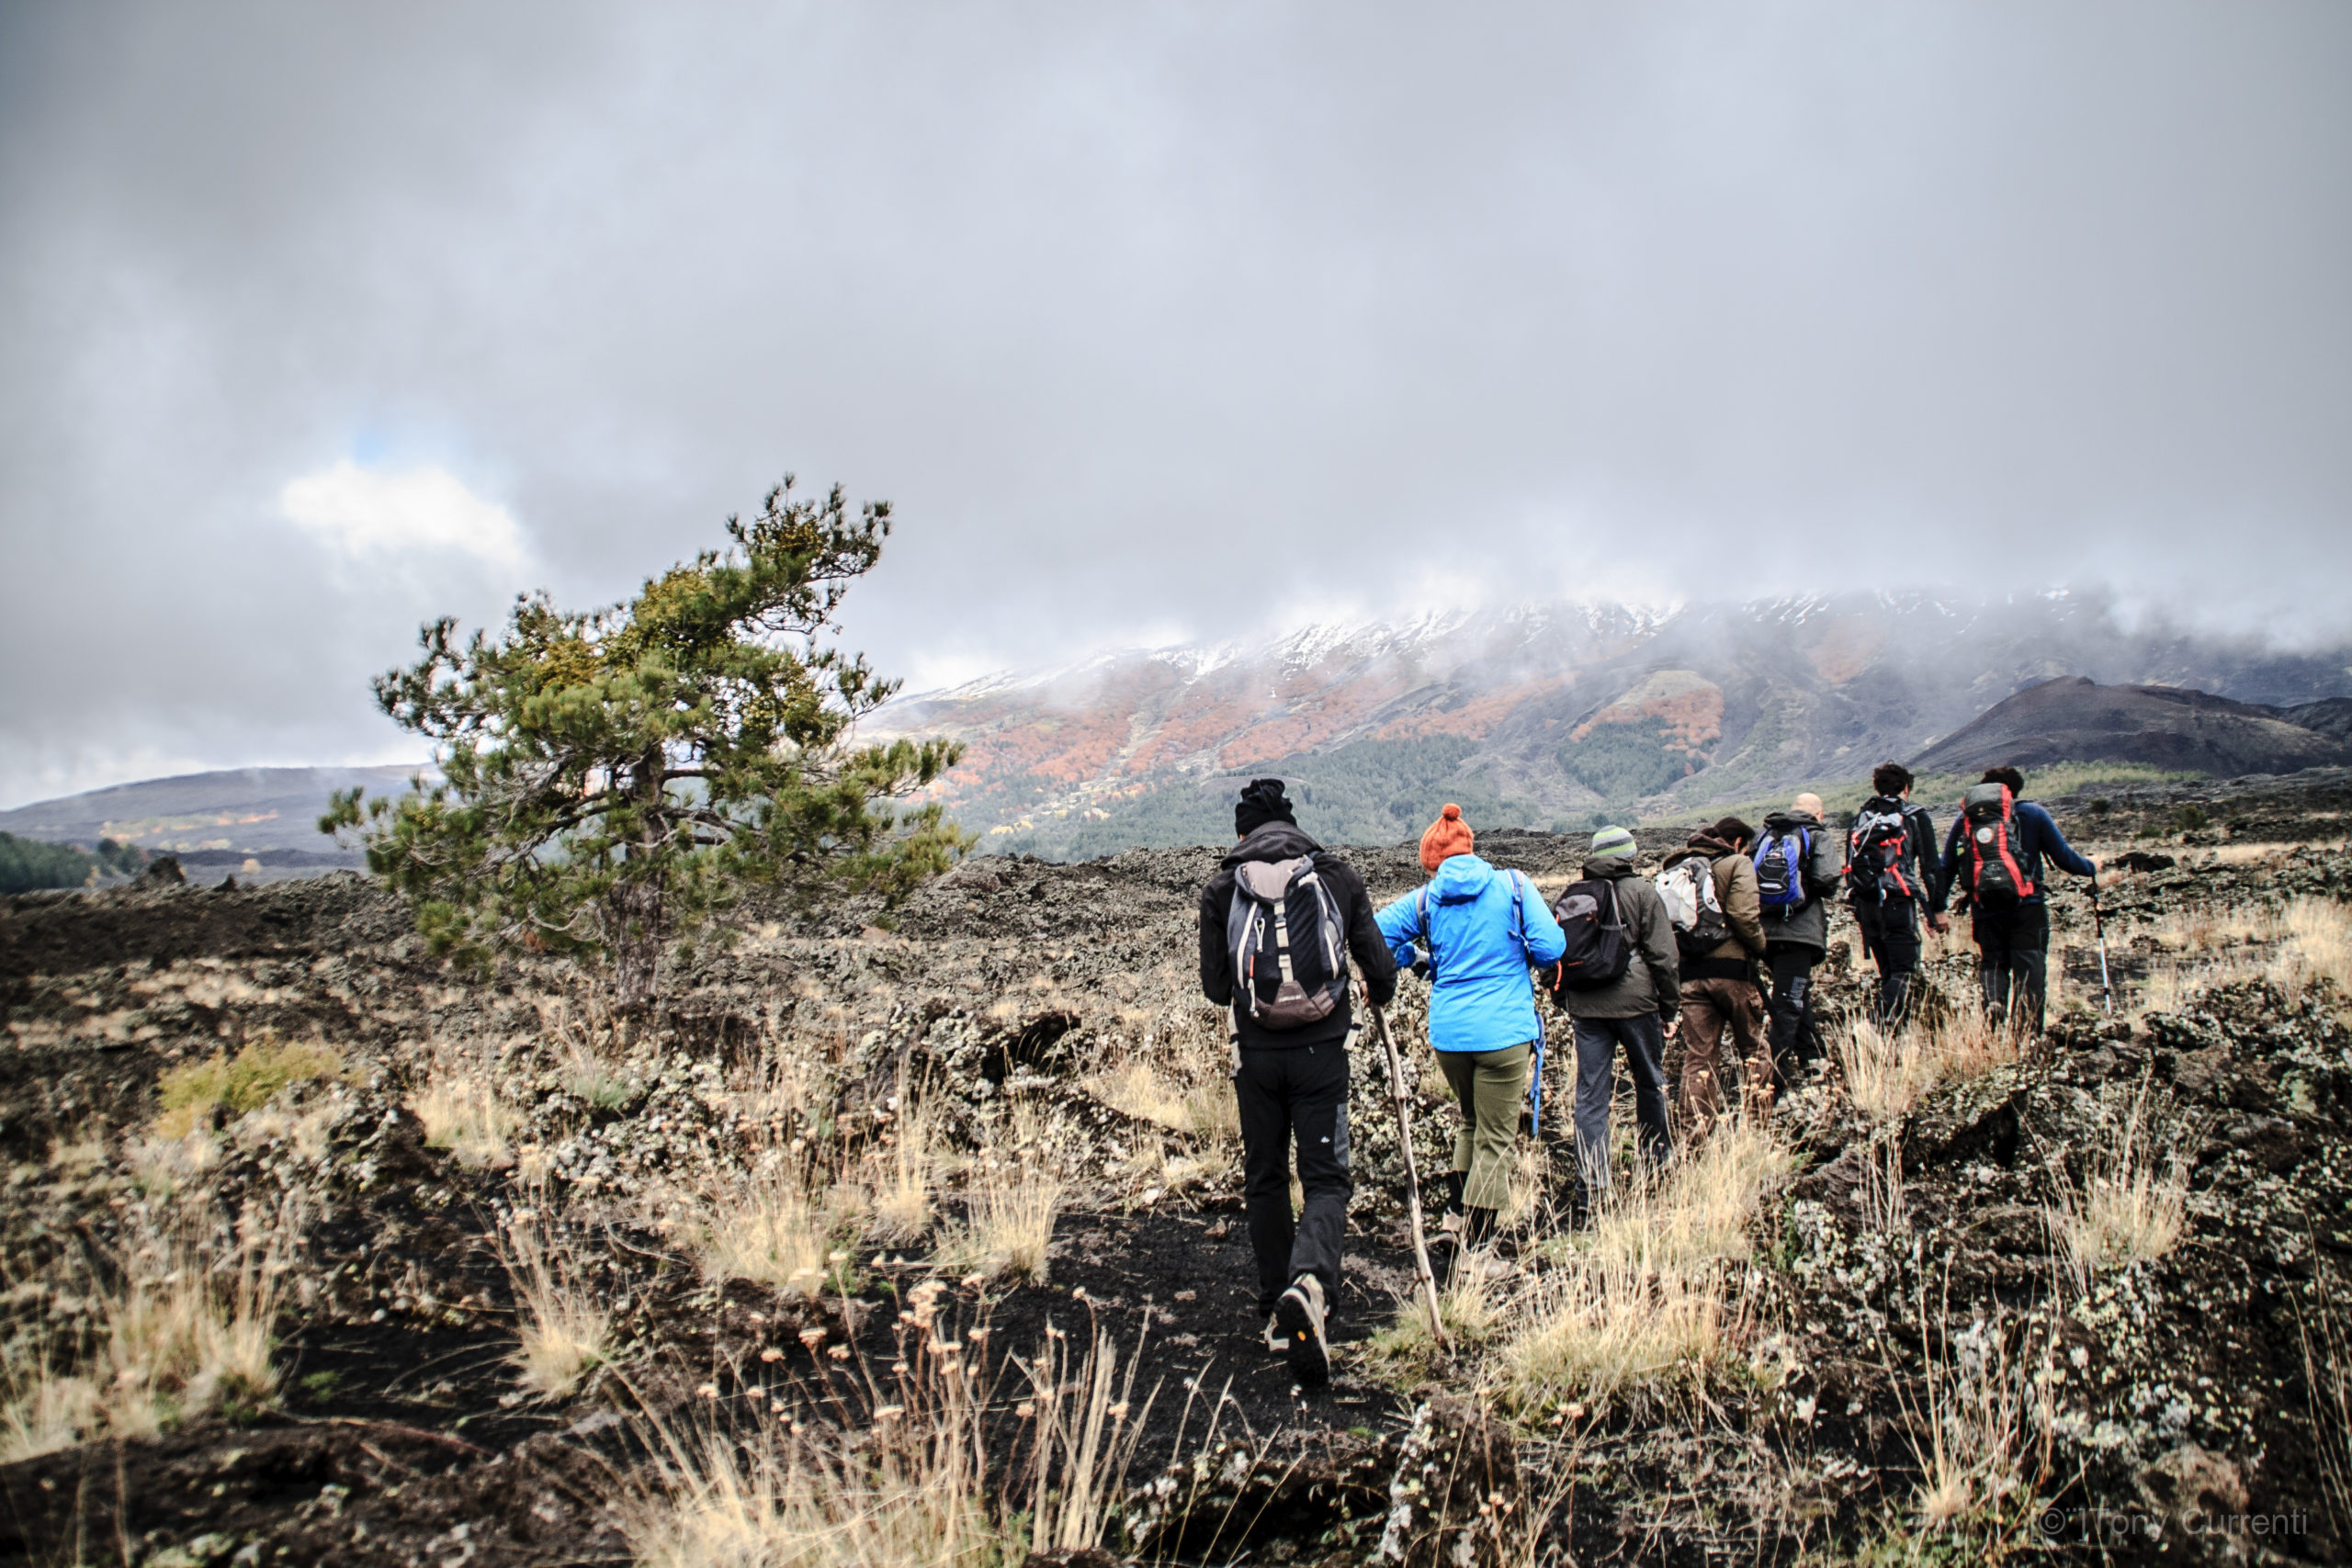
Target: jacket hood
{"type": "Point", "coordinates": [1888, 803]}
{"type": "Point", "coordinates": [1614, 867]}
{"type": "Point", "coordinates": [1708, 845]}
{"type": "Point", "coordinates": [1459, 878]}
{"type": "Point", "coordinates": [1778, 819]}
{"type": "Point", "coordinates": [1270, 841]}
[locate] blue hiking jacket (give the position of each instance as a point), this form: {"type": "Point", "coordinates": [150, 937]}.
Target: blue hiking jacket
{"type": "Point", "coordinates": [1484, 927]}
{"type": "Point", "coordinates": [2038, 835]}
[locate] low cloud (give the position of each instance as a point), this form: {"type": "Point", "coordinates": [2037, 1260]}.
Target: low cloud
{"type": "Point", "coordinates": [372, 515]}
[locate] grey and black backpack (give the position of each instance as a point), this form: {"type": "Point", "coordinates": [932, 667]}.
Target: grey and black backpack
{"type": "Point", "coordinates": [1288, 943]}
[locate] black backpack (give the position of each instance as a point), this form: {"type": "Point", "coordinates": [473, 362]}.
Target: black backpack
{"type": "Point", "coordinates": [1879, 863]}
{"type": "Point", "coordinates": [1993, 869]}
{"type": "Point", "coordinates": [1287, 941]}
{"type": "Point", "coordinates": [1597, 953]}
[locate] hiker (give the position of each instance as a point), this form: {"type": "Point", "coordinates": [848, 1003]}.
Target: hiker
{"type": "Point", "coordinates": [1892, 870]}
{"type": "Point", "coordinates": [1634, 1011]}
{"type": "Point", "coordinates": [1482, 928]}
{"type": "Point", "coordinates": [1278, 923]}
{"type": "Point", "coordinates": [1798, 865]}
{"type": "Point", "coordinates": [1708, 890]}
{"type": "Point", "coordinates": [1994, 857]}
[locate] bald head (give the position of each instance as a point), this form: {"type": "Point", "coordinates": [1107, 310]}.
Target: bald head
{"type": "Point", "coordinates": [1808, 803]}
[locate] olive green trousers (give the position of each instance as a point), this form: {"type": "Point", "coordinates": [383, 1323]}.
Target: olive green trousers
{"type": "Point", "coordinates": [1490, 1086]}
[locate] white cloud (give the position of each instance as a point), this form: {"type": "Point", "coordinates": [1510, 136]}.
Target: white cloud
{"type": "Point", "coordinates": [374, 515]}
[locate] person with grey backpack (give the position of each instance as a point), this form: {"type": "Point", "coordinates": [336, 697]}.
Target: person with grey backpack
{"type": "Point", "coordinates": [1279, 921]}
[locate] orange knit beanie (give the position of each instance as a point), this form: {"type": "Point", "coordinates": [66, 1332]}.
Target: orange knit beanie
{"type": "Point", "coordinates": [1449, 835]}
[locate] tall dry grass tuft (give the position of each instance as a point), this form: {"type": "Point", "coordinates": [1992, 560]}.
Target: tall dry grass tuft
{"type": "Point", "coordinates": [461, 1114]}
{"type": "Point", "coordinates": [191, 1329]}
{"type": "Point", "coordinates": [2327, 1384]}
{"type": "Point", "coordinates": [2316, 945]}
{"type": "Point", "coordinates": [1645, 1297]}
{"type": "Point", "coordinates": [1008, 1225]}
{"type": "Point", "coordinates": [1887, 1074]}
{"type": "Point", "coordinates": [914, 1485]}
{"type": "Point", "coordinates": [1982, 1430]}
{"type": "Point", "coordinates": [904, 1170]}
{"type": "Point", "coordinates": [564, 1333]}
{"type": "Point", "coordinates": [2132, 1203]}
{"type": "Point", "coordinates": [770, 1229]}
{"type": "Point", "coordinates": [1082, 1442]}
{"type": "Point", "coordinates": [1614, 1323]}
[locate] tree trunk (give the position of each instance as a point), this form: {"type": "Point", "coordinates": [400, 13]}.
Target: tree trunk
{"type": "Point", "coordinates": [636, 944]}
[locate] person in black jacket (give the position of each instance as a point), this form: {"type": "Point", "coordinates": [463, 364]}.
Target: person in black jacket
{"type": "Point", "coordinates": [1292, 1082]}
{"type": "Point", "coordinates": [1887, 893]}
{"type": "Point", "coordinates": [2013, 945]}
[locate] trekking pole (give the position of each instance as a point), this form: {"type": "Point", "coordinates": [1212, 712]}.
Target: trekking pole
{"type": "Point", "coordinates": [2098, 927]}
{"type": "Point", "coordinates": [1412, 1172]}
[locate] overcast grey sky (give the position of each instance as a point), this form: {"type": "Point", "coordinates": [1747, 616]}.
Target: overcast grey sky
{"type": "Point", "coordinates": [1153, 322]}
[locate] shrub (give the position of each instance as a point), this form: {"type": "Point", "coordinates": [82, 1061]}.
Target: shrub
{"type": "Point", "coordinates": [192, 1094]}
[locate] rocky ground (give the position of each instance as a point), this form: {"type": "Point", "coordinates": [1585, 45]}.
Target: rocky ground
{"type": "Point", "coordinates": [1906, 1361]}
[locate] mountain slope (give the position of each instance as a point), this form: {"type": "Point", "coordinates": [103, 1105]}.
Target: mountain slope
{"type": "Point", "coordinates": [2166, 726]}
{"type": "Point", "coordinates": [240, 810]}
{"type": "Point", "coordinates": [1540, 714]}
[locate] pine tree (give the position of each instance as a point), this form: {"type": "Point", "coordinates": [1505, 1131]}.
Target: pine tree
{"type": "Point", "coordinates": [614, 778]}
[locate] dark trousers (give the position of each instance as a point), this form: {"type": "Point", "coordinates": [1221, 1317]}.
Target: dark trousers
{"type": "Point", "coordinates": [1890, 935]}
{"type": "Point", "coordinates": [1299, 1092]}
{"type": "Point", "coordinates": [1644, 1037]}
{"type": "Point", "coordinates": [2013, 959]}
{"type": "Point", "coordinates": [1792, 1034]}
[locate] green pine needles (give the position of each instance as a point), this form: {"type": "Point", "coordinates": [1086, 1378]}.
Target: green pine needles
{"type": "Point", "coordinates": [614, 778]}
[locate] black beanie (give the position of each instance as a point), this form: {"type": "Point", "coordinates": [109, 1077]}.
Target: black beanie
{"type": "Point", "coordinates": [1261, 802]}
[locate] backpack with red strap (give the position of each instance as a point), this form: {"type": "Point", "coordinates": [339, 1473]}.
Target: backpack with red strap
{"type": "Point", "coordinates": [1994, 868]}
{"type": "Point", "coordinates": [1881, 861]}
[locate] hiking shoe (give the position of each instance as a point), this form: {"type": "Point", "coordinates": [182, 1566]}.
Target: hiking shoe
{"type": "Point", "coordinates": [1300, 1315]}
{"type": "Point", "coordinates": [1488, 1265]}
{"type": "Point", "coordinates": [1277, 1341]}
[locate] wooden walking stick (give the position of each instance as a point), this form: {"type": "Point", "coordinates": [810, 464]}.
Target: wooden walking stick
{"type": "Point", "coordinates": [1412, 1172]}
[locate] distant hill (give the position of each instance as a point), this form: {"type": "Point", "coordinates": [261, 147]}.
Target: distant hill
{"type": "Point", "coordinates": [2076, 720]}
{"type": "Point", "coordinates": [269, 816]}
{"type": "Point", "coordinates": [1541, 716]}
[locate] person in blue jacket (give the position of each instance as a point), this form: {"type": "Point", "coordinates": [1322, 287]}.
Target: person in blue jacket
{"type": "Point", "coordinates": [1483, 928]}
{"type": "Point", "coordinates": [2013, 945]}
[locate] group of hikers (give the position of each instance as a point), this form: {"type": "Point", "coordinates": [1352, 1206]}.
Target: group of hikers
{"type": "Point", "coordinates": [1722, 941]}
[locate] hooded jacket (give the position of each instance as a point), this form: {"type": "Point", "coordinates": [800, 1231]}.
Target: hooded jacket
{"type": "Point", "coordinates": [1279, 841]}
{"type": "Point", "coordinates": [1806, 925]}
{"type": "Point", "coordinates": [1743, 906]}
{"type": "Point", "coordinates": [1651, 982]}
{"type": "Point", "coordinates": [1484, 927]}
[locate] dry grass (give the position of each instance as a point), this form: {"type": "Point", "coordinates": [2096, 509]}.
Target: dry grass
{"type": "Point", "coordinates": [1887, 1074]}
{"type": "Point", "coordinates": [193, 1094]}
{"type": "Point", "coordinates": [1981, 1432]}
{"type": "Point", "coordinates": [770, 1229]}
{"type": "Point", "coordinates": [1136, 1089]}
{"type": "Point", "coordinates": [188, 1333]}
{"type": "Point", "coordinates": [2131, 1204]}
{"type": "Point", "coordinates": [460, 1114]}
{"type": "Point", "coordinates": [1611, 1325]}
{"type": "Point", "coordinates": [913, 1497]}
{"type": "Point", "coordinates": [914, 1488]}
{"type": "Point", "coordinates": [1643, 1298]}
{"type": "Point", "coordinates": [1700, 1211]}
{"type": "Point", "coordinates": [564, 1334]}
{"type": "Point", "coordinates": [188, 1328]}
{"type": "Point", "coordinates": [902, 1207]}
{"type": "Point", "coordinates": [1008, 1225]}
{"type": "Point", "coordinates": [2317, 946]}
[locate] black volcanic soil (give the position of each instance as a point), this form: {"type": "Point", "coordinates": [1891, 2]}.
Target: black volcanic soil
{"type": "Point", "coordinates": [402, 1433]}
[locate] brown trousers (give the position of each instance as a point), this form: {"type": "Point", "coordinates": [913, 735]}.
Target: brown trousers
{"type": "Point", "coordinates": [1708, 1006]}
